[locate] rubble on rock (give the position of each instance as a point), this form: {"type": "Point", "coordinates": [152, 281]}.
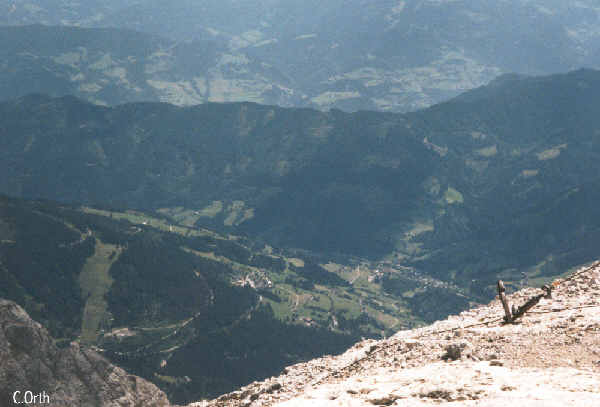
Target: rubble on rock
{"type": "Point", "coordinates": [550, 357]}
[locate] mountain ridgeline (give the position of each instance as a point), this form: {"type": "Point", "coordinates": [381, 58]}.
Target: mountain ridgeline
{"type": "Point", "coordinates": [389, 55]}
{"type": "Point", "coordinates": [292, 176]}
{"type": "Point", "coordinates": [189, 201]}
{"type": "Point", "coordinates": [450, 190]}
{"type": "Point", "coordinates": [197, 313]}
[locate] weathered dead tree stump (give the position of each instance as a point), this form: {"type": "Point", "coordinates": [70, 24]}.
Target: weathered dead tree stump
{"type": "Point", "coordinates": [532, 302]}
{"type": "Point", "coordinates": [516, 313]}
{"type": "Point", "coordinates": [501, 293]}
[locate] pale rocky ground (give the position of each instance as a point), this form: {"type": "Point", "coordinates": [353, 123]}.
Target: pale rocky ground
{"type": "Point", "coordinates": [549, 358]}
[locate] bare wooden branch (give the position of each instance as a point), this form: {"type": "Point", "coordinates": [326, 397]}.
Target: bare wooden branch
{"type": "Point", "coordinates": [501, 293]}
{"type": "Point", "coordinates": [518, 312]}
{"type": "Point", "coordinates": [527, 306]}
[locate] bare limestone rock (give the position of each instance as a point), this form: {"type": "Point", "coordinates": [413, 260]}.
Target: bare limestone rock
{"type": "Point", "coordinates": [74, 376]}
{"type": "Point", "coordinates": [456, 351]}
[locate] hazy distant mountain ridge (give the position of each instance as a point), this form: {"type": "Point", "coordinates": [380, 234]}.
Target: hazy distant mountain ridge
{"type": "Point", "coordinates": [399, 55]}
{"type": "Point", "coordinates": [100, 65]}
{"type": "Point", "coordinates": [55, 12]}
{"type": "Point", "coordinates": [388, 55]}
{"type": "Point", "coordinates": [113, 66]}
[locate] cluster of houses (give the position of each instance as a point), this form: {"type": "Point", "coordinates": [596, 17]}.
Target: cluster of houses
{"type": "Point", "coordinates": [255, 280]}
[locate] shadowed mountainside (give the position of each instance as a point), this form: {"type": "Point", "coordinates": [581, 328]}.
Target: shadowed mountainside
{"type": "Point", "coordinates": [459, 190]}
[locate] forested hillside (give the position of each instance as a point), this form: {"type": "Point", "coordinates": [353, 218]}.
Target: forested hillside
{"type": "Point", "coordinates": [432, 189]}
{"type": "Point", "coordinates": [196, 312]}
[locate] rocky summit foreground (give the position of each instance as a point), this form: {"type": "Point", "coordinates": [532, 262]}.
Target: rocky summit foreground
{"type": "Point", "coordinates": [32, 365]}
{"type": "Point", "coordinates": [551, 357]}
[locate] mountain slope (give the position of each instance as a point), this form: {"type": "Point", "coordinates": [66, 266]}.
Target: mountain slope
{"type": "Point", "coordinates": [523, 147]}
{"type": "Point", "coordinates": [354, 55]}
{"type": "Point", "coordinates": [113, 66]}
{"type": "Point", "coordinates": [32, 362]}
{"type": "Point", "coordinates": [196, 312]}
{"type": "Point", "coordinates": [460, 191]}
{"type": "Point", "coordinates": [54, 12]}
{"type": "Point", "coordinates": [261, 167]}
{"type": "Point", "coordinates": [104, 66]}
{"type": "Point", "coordinates": [550, 358]}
